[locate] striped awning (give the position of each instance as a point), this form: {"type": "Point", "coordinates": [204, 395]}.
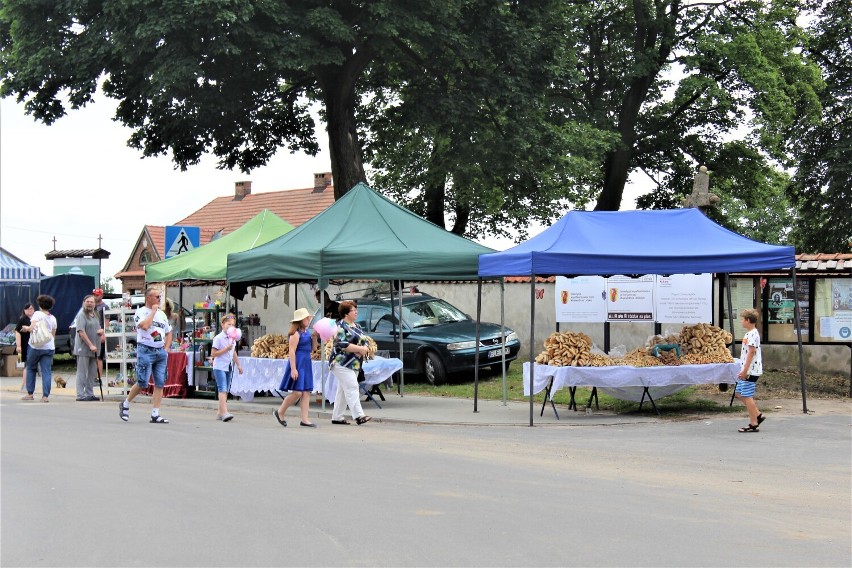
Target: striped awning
{"type": "Point", "coordinates": [13, 269]}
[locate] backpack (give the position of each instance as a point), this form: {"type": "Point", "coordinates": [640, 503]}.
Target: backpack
{"type": "Point", "coordinates": [40, 333]}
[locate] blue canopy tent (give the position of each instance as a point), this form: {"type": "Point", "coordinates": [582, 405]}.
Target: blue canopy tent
{"type": "Point", "coordinates": [679, 241]}
{"type": "Point", "coordinates": [19, 284]}
{"type": "Point", "coordinates": [13, 269]}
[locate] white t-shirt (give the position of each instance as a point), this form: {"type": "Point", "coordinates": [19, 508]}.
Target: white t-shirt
{"type": "Point", "coordinates": [752, 338]}
{"type": "Point", "coordinates": [223, 361]}
{"type": "Point", "coordinates": [39, 315]}
{"type": "Point", "coordinates": [154, 336]}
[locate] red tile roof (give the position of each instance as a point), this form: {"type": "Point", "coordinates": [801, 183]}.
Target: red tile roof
{"type": "Point", "coordinates": [229, 213]}
{"type": "Point", "coordinates": [158, 239]}
{"type": "Point", "coordinates": [294, 206]}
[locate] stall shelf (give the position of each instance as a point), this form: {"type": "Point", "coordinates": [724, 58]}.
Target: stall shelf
{"type": "Point", "coordinates": [120, 364]}
{"type": "Point", "coordinates": [205, 322]}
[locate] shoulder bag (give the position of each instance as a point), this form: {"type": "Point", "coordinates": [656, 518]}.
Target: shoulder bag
{"type": "Point", "coordinates": [40, 333]}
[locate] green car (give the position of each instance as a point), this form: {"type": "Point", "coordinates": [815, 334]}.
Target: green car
{"type": "Point", "coordinates": [438, 338]}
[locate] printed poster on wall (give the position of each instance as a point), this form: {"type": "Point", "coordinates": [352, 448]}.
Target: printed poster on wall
{"type": "Point", "coordinates": [630, 299]}
{"type": "Point", "coordinates": [580, 299]}
{"type": "Point", "coordinates": [684, 298]}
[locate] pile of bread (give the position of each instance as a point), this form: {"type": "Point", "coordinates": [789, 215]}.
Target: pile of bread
{"type": "Point", "coordinates": [699, 344]}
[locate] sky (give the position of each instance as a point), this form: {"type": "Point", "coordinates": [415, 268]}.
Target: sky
{"type": "Point", "coordinates": [76, 180]}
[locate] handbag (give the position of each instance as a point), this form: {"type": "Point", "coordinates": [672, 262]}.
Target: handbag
{"type": "Point", "coordinates": [361, 377]}
{"type": "Point", "coordinates": [40, 334]}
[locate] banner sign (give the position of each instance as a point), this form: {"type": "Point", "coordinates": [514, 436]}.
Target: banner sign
{"type": "Point", "coordinates": [630, 299]}
{"type": "Point", "coordinates": [581, 299]}
{"type": "Point", "coordinates": [679, 298]}
{"type": "Point", "coordinates": [684, 298]}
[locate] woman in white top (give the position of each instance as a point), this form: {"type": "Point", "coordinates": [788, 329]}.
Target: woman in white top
{"type": "Point", "coordinates": [41, 356]}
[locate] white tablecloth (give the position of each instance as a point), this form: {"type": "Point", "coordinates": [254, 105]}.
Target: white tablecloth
{"type": "Point", "coordinates": [623, 377]}
{"type": "Point", "coordinates": [264, 375]}
{"type": "Point", "coordinates": [376, 371]}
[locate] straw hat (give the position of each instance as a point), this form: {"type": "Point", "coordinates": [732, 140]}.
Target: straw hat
{"type": "Point", "coordinates": [300, 314]}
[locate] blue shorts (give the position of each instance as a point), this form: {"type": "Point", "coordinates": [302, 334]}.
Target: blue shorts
{"type": "Point", "coordinates": [151, 360]}
{"type": "Point", "coordinates": [746, 388]}
{"type": "Point", "coordinates": [223, 379]}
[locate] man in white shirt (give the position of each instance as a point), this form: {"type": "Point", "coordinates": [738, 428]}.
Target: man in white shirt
{"type": "Point", "coordinates": [153, 334]}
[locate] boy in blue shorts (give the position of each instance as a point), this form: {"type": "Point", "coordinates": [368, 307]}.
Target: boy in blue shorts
{"type": "Point", "coordinates": [752, 368]}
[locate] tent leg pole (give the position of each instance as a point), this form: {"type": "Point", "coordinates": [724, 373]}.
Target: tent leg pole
{"type": "Point", "coordinates": [503, 334]}
{"type": "Point", "coordinates": [182, 319]}
{"type": "Point", "coordinates": [730, 319]}
{"type": "Point", "coordinates": [476, 353]}
{"type": "Point", "coordinates": [532, 346]}
{"type": "Point", "coordinates": [798, 324]}
{"type": "Point", "coordinates": [401, 352]}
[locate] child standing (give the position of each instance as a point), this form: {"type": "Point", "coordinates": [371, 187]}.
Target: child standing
{"type": "Point", "coordinates": [752, 368]}
{"type": "Point", "coordinates": [224, 351]}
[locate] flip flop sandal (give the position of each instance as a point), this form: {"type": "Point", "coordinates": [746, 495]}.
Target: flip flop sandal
{"type": "Point", "coordinates": [749, 428]}
{"type": "Point", "coordinates": [124, 413]}
{"type": "Point", "coordinates": [760, 418]}
{"type": "Point", "coordinates": [158, 420]}
{"type": "Point", "coordinates": [362, 419]}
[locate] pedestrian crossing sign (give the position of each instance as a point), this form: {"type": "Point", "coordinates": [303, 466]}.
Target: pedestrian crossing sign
{"type": "Point", "coordinates": [181, 239]}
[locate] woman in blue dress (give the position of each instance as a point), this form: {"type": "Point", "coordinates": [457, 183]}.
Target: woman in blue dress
{"type": "Point", "coordinates": [299, 377]}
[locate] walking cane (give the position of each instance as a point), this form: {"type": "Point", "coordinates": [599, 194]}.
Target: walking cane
{"type": "Point", "coordinates": [101, 385]}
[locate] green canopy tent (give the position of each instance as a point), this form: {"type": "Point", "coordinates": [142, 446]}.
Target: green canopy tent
{"type": "Point", "coordinates": [208, 263]}
{"type": "Point", "coordinates": [362, 235]}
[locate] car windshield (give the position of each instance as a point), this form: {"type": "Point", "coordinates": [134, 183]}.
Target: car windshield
{"type": "Point", "coordinates": [431, 312]}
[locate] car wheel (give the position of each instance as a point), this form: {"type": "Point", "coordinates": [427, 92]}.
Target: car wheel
{"type": "Point", "coordinates": [433, 369]}
{"type": "Point", "coordinates": [497, 368]}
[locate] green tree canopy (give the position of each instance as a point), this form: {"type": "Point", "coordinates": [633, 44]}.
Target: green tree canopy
{"type": "Point", "coordinates": [653, 86]}
{"type": "Point", "coordinates": [484, 113]}
{"type": "Point", "coordinates": [232, 78]}
{"type": "Point", "coordinates": [822, 186]}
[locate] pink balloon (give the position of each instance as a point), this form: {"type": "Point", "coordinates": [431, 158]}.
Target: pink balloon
{"type": "Point", "coordinates": [326, 328]}
{"type": "Point", "coordinates": [234, 333]}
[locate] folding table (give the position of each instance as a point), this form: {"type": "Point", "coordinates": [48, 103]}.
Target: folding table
{"type": "Point", "coordinates": [621, 378]}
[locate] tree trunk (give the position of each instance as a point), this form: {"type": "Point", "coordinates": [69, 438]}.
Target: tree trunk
{"type": "Point", "coordinates": [347, 167]}
{"type": "Point", "coordinates": [337, 84]}
{"type": "Point", "coordinates": [652, 46]}
{"type": "Point", "coordinates": [616, 168]}
{"type": "Point", "coordinates": [433, 193]}
{"type": "Point", "coordinates": [462, 219]}
{"type": "Point", "coordinates": [435, 189]}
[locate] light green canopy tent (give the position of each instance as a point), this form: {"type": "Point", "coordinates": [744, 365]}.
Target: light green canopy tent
{"type": "Point", "coordinates": [362, 235]}
{"type": "Point", "coordinates": [209, 262]}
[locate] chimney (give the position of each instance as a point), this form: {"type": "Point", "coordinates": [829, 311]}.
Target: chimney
{"type": "Point", "coordinates": [241, 189]}
{"type": "Point", "coordinates": [322, 181]}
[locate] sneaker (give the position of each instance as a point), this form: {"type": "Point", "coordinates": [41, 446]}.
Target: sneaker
{"type": "Point", "coordinates": [225, 417]}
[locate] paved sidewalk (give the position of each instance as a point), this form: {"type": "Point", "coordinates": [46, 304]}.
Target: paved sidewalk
{"type": "Point", "coordinates": [405, 409]}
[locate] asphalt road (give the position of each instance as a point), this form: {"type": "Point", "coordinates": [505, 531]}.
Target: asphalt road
{"type": "Point", "coordinates": [82, 488]}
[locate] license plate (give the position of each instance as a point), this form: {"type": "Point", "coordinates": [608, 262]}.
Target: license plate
{"type": "Point", "coordinates": [498, 352]}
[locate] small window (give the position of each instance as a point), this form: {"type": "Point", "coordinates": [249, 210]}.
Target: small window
{"type": "Point", "coordinates": [145, 258]}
